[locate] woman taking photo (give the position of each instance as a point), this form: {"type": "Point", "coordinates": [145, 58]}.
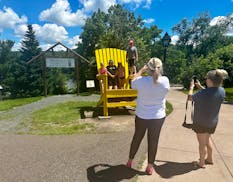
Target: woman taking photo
{"type": "Point", "coordinates": [207, 103]}
{"type": "Point", "coordinates": [150, 110]}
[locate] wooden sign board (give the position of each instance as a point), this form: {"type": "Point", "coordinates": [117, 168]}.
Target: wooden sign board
{"type": "Point", "coordinates": [60, 62]}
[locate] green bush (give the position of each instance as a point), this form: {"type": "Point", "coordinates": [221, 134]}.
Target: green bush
{"type": "Point", "coordinates": [229, 94]}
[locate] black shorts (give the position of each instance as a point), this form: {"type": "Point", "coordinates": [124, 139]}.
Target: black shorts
{"type": "Point", "coordinates": [131, 62]}
{"type": "Point", "coordinates": [112, 81]}
{"type": "Point", "coordinates": [201, 129]}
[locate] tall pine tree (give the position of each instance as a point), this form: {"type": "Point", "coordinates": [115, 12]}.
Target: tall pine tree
{"type": "Point", "coordinates": [30, 82]}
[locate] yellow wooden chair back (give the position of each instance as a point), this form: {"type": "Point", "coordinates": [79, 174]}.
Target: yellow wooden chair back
{"type": "Point", "coordinates": [117, 55]}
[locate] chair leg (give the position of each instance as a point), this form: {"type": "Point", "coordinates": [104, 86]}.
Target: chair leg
{"type": "Point", "coordinates": [105, 111]}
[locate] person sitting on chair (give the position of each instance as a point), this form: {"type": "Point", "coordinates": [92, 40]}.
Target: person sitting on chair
{"type": "Point", "coordinates": [112, 77]}
{"type": "Point", "coordinates": [102, 71]}
{"type": "Point", "coordinates": [121, 75]}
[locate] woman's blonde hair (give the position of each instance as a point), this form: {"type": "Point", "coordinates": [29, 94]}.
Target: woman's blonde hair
{"type": "Point", "coordinates": [155, 66]}
{"type": "Point", "coordinates": [217, 76]}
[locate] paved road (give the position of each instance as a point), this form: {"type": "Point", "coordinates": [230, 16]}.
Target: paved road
{"type": "Point", "coordinates": [76, 158]}
{"type": "Point", "coordinates": [73, 158]}
{"type": "Point", "coordinates": [178, 147]}
{"type": "Point", "coordinates": [101, 157]}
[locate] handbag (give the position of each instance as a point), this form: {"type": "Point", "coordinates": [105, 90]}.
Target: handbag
{"type": "Point", "coordinates": [185, 124]}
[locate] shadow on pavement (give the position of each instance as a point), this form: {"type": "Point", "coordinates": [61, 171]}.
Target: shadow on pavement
{"type": "Point", "coordinates": [170, 169]}
{"type": "Point", "coordinates": [106, 173]}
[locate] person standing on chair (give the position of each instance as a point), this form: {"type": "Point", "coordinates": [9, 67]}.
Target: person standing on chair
{"type": "Point", "coordinates": [150, 110]}
{"type": "Point", "coordinates": [207, 103]}
{"type": "Point", "coordinates": [132, 57]}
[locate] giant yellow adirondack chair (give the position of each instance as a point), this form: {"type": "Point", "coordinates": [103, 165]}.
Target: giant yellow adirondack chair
{"type": "Point", "coordinates": [115, 97]}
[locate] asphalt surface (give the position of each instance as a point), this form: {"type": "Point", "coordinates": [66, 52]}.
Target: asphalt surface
{"type": "Point", "coordinates": [67, 158]}
{"type": "Point", "coordinates": [76, 158]}
{"type": "Point", "coordinates": [101, 157]}
{"type": "Point", "coordinates": [178, 147]}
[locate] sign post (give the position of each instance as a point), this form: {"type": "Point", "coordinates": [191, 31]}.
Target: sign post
{"type": "Point", "coordinates": [1, 92]}
{"type": "Point", "coordinates": [57, 62]}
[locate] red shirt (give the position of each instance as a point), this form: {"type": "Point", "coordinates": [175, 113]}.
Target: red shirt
{"type": "Point", "coordinates": [102, 71]}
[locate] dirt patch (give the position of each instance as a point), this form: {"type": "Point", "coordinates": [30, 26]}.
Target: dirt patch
{"type": "Point", "coordinates": [115, 123]}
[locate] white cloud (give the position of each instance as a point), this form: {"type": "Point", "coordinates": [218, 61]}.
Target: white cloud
{"type": "Point", "coordinates": [70, 43]}
{"type": "Point", "coordinates": [16, 46]}
{"type": "Point", "coordinates": [73, 41]}
{"type": "Point", "coordinates": [60, 13]}
{"type": "Point", "coordinates": [93, 5]}
{"type": "Point", "coordinates": [230, 32]}
{"type": "Point", "coordinates": [103, 5]}
{"type": "Point", "coordinates": [50, 33]}
{"type": "Point", "coordinates": [9, 19]}
{"type": "Point", "coordinates": [148, 4]}
{"type": "Point", "coordinates": [174, 39]}
{"type": "Point", "coordinates": [44, 47]}
{"type": "Point", "coordinates": [47, 34]}
{"type": "Point", "coordinates": [149, 21]}
{"type": "Point", "coordinates": [217, 20]}
{"type": "Point", "coordinates": [20, 30]}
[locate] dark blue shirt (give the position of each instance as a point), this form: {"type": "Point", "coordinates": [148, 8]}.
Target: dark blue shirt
{"type": "Point", "coordinates": [207, 103]}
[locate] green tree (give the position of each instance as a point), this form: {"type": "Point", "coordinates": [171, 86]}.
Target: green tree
{"type": "Point", "coordinates": [199, 38]}
{"type": "Point", "coordinates": [191, 33]}
{"type": "Point", "coordinates": [199, 41]}
{"type": "Point", "coordinates": [225, 54]}
{"type": "Point", "coordinates": [93, 29]}
{"type": "Point", "coordinates": [30, 82]}
{"type": "Point", "coordinates": [5, 58]}
{"type": "Point", "coordinates": [175, 65]}
{"type": "Point", "coordinates": [111, 29]}
{"type": "Point", "coordinates": [215, 37]}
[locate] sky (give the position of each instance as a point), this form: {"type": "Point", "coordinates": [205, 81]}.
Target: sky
{"type": "Point", "coordinates": [62, 20]}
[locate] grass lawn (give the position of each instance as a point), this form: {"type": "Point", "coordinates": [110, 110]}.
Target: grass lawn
{"type": "Point", "coordinates": [60, 119]}
{"type": "Point", "coordinates": [169, 108]}
{"type": "Point", "coordinates": [229, 94]}
{"type": "Point", "coordinates": [64, 118]}
{"type": "Point", "coordinates": [10, 104]}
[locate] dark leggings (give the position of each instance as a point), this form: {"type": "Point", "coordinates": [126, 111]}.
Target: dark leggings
{"type": "Point", "coordinates": [153, 127]}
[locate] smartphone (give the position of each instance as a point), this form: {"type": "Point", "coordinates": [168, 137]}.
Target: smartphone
{"type": "Point", "coordinates": [195, 79]}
